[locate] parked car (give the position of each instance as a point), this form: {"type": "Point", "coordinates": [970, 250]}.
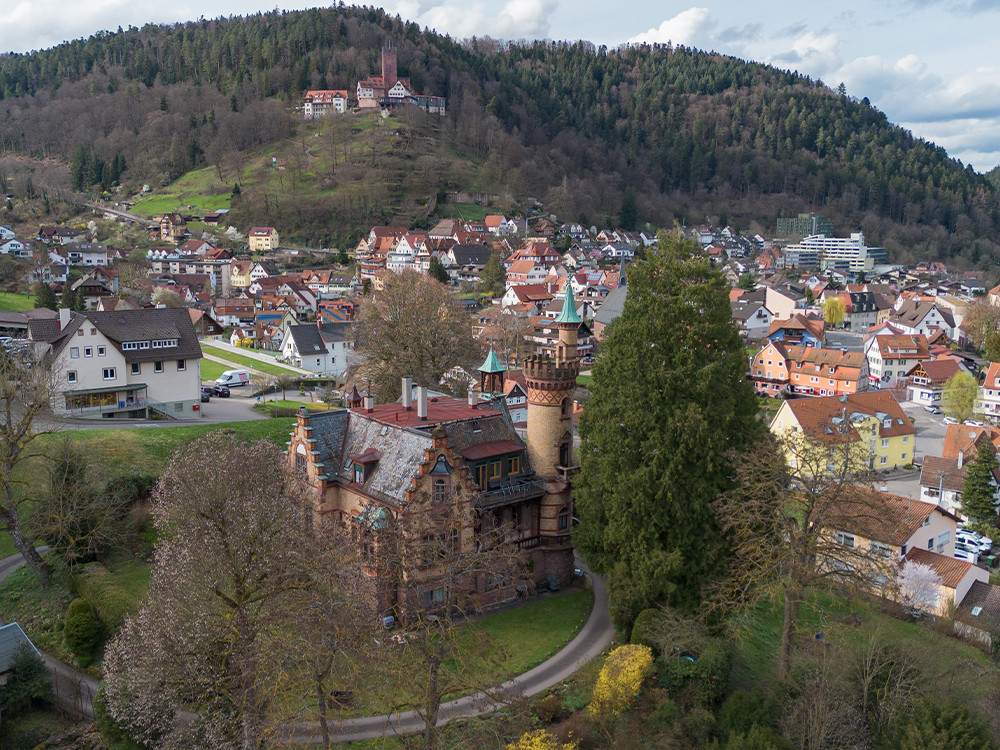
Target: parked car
{"type": "Point", "coordinates": [932, 409]}
{"type": "Point", "coordinates": [973, 423]}
{"type": "Point", "coordinates": [206, 393]}
{"type": "Point", "coordinates": [965, 553]}
{"type": "Point", "coordinates": [950, 420]}
{"type": "Point", "coordinates": [974, 540]}
{"type": "Point", "coordinates": [220, 390]}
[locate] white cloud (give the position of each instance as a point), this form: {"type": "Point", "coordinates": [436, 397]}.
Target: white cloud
{"type": "Point", "coordinates": [693, 26]}
{"type": "Point", "coordinates": [516, 19]}
{"type": "Point", "coordinates": [812, 53]}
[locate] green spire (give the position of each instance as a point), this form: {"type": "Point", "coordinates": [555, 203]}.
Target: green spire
{"type": "Point", "coordinates": [568, 314]}
{"type": "Point", "coordinates": [492, 363]}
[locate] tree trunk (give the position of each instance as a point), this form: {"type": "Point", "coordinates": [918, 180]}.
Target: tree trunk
{"type": "Point", "coordinates": [432, 706]}
{"type": "Point", "coordinates": [793, 598]}
{"type": "Point", "coordinates": [24, 545]}
{"type": "Point", "coordinates": [321, 701]}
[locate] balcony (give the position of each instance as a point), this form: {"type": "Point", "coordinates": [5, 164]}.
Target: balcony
{"type": "Point", "coordinates": [519, 489]}
{"type": "Point", "coordinates": [565, 473]}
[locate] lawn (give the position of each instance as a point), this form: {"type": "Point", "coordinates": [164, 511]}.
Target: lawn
{"type": "Point", "coordinates": [584, 381]}
{"type": "Point", "coordinates": [838, 619]}
{"type": "Point", "coordinates": [463, 211]}
{"type": "Point", "coordinates": [200, 189]}
{"type": "Point", "coordinates": [524, 637]}
{"type": "Point", "coordinates": [267, 406]}
{"type": "Point", "coordinates": [16, 302]}
{"type": "Point", "coordinates": [149, 447]}
{"type": "Point", "coordinates": [247, 362]}
{"type": "Point", "coordinates": [212, 370]}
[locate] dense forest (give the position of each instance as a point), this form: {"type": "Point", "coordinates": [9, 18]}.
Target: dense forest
{"type": "Point", "coordinates": [695, 134]}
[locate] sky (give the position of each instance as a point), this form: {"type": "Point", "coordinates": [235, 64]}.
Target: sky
{"type": "Point", "coordinates": [929, 65]}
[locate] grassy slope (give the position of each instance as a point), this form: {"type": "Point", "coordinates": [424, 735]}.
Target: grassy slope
{"type": "Point", "coordinates": [212, 370]}
{"type": "Point", "coordinates": [16, 302]}
{"type": "Point", "coordinates": [147, 447]}
{"type": "Point", "coordinates": [198, 189]}
{"type": "Point", "coordinates": [239, 360]}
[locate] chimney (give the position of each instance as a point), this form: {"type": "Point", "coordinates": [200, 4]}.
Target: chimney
{"type": "Point", "coordinates": [421, 402]}
{"type": "Point", "coordinates": [961, 458]}
{"type": "Point", "coordinates": [407, 393]}
{"type": "Point", "coordinates": [369, 403]}
{"type": "Point", "coordinates": [473, 399]}
{"type": "Point", "coordinates": [64, 316]}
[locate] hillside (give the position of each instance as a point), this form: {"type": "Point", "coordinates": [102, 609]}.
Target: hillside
{"type": "Point", "coordinates": [693, 133]}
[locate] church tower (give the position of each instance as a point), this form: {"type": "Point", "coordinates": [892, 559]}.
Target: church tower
{"type": "Point", "coordinates": [550, 384]}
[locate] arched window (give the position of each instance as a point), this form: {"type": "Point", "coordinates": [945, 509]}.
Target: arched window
{"type": "Point", "coordinates": [563, 518]}
{"type": "Point", "coordinates": [300, 458]}
{"type": "Point", "coordinates": [567, 408]}
{"type": "Point", "coordinates": [440, 490]}
{"type": "Point", "coordinates": [565, 450]}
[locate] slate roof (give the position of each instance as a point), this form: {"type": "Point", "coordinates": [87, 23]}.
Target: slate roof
{"type": "Point", "coordinates": [401, 440]}
{"type": "Point", "coordinates": [12, 638]}
{"type": "Point", "coordinates": [307, 339]}
{"type": "Point", "coordinates": [470, 255]}
{"type": "Point", "coordinates": [336, 331]}
{"type": "Point", "coordinates": [612, 306]}
{"type": "Point", "coordinates": [986, 596]}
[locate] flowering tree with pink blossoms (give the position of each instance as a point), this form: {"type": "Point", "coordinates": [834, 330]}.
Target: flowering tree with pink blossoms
{"type": "Point", "coordinates": [202, 662]}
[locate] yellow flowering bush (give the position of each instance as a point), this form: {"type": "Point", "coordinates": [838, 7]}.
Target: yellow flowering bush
{"type": "Point", "coordinates": [540, 740]}
{"type": "Point", "coordinates": [620, 681]}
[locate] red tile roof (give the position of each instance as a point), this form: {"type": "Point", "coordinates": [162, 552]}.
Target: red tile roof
{"type": "Point", "coordinates": [815, 414]}
{"type": "Point", "coordinates": [951, 570]}
{"type": "Point", "coordinates": [439, 409]}
{"type": "Point", "coordinates": [879, 516]}
{"type": "Point", "coordinates": [494, 448]}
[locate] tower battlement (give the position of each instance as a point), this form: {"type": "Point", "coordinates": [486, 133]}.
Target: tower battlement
{"type": "Point", "coordinates": [538, 367]}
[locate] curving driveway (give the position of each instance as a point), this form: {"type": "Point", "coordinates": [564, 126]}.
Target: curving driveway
{"type": "Point", "coordinates": [75, 691]}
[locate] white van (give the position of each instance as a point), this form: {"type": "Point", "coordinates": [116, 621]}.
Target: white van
{"type": "Point", "coordinates": [233, 378]}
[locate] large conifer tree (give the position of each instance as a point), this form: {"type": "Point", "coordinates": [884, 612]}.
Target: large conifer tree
{"type": "Point", "coordinates": [978, 489]}
{"type": "Point", "coordinates": [669, 400]}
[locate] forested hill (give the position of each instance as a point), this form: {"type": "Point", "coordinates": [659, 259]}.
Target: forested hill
{"type": "Point", "coordinates": [693, 133]}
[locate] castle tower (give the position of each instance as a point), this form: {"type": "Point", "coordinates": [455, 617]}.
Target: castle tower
{"type": "Point", "coordinates": [550, 383]}
{"type": "Point", "coordinates": [491, 375]}
{"type": "Point", "coordinates": [388, 67]}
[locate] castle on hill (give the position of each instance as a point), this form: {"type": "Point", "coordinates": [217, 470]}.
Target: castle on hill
{"type": "Point", "coordinates": [388, 89]}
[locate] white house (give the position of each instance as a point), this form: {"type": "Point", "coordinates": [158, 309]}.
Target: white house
{"type": "Point", "coordinates": [87, 254]}
{"type": "Point", "coordinates": [6, 233]}
{"type": "Point", "coordinates": [122, 364]}
{"type": "Point", "coordinates": [323, 349]}
{"type": "Point", "coordinates": [15, 248]}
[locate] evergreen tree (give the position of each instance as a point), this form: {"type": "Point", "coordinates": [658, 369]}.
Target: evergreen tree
{"type": "Point", "coordinates": [668, 402]}
{"type": "Point", "coordinates": [29, 683]}
{"type": "Point", "coordinates": [44, 296]}
{"type": "Point", "coordinates": [747, 282]}
{"type": "Point", "coordinates": [977, 492]}
{"type": "Point", "coordinates": [493, 278]}
{"type": "Point", "coordinates": [629, 214]}
{"type": "Point", "coordinates": [436, 270]}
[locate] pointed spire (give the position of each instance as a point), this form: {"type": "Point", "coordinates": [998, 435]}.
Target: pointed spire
{"type": "Point", "coordinates": [568, 314]}
{"type": "Point", "coordinates": [492, 363]}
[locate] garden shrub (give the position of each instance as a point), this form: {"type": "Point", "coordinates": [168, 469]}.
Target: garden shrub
{"type": "Point", "coordinates": [82, 632]}
{"type": "Point", "coordinates": [666, 713]}
{"type": "Point", "coordinates": [743, 710]}
{"type": "Point", "coordinates": [949, 725]}
{"type": "Point", "coordinates": [642, 629]}
{"type": "Point", "coordinates": [28, 684]}
{"type": "Point", "coordinates": [620, 681]}
{"type": "Point", "coordinates": [540, 740]}
{"type": "Point", "coordinates": [699, 725]}
{"type": "Point", "coordinates": [755, 738]}
{"type": "Point", "coordinates": [549, 709]}
{"type": "Point", "coordinates": [701, 682]}
{"type": "Point", "coordinates": [110, 729]}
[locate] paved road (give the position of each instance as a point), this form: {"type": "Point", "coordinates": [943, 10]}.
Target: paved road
{"type": "Point", "coordinates": [929, 442]}
{"type": "Point", "coordinates": [76, 691]}
{"type": "Point", "coordinates": [250, 354]}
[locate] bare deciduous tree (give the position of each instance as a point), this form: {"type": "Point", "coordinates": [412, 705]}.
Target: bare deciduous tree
{"type": "Point", "coordinates": [413, 326]}
{"type": "Point", "coordinates": [211, 637]}
{"type": "Point", "coordinates": [792, 495]}
{"type": "Point", "coordinates": [24, 396]}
